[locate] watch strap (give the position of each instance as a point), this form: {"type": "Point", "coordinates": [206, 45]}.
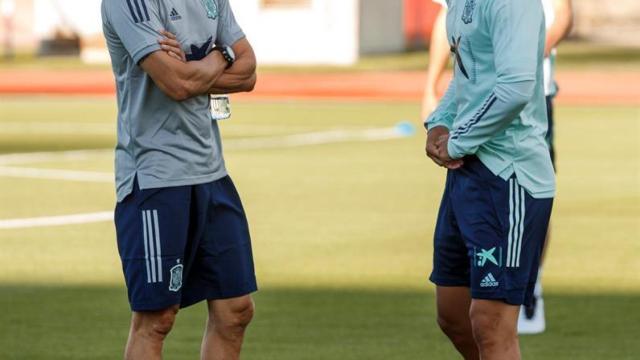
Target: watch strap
{"type": "Point", "coordinates": [225, 54]}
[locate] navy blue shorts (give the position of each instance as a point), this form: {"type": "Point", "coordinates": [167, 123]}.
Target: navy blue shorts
{"type": "Point", "coordinates": [489, 235]}
{"type": "Point", "coordinates": [181, 245]}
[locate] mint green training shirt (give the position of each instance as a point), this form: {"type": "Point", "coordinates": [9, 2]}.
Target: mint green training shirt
{"type": "Point", "coordinates": [495, 106]}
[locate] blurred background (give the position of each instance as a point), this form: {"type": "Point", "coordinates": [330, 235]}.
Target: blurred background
{"type": "Point", "coordinates": [328, 155]}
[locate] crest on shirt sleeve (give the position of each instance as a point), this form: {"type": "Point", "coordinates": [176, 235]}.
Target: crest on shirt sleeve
{"type": "Point", "coordinates": [467, 14]}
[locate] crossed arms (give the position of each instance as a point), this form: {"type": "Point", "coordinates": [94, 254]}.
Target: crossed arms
{"type": "Point", "coordinates": [181, 80]}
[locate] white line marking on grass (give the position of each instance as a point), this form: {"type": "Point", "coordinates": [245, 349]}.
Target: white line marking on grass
{"type": "Point", "coordinates": [286, 141]}
{"type": "Point", "coordinates": [73, 155]}
{"type": "Point", "coordinates": [57, 128]}
{"type": "Point", "coordinates": [56, 220]}
{"type": "Point", "coordinates": [313, 138]}
{"type": "Point", "coordinates": [316, 138]}
{"type": "Point", "coordinates": [55, 174]}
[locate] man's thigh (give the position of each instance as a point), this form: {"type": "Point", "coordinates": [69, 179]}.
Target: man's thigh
{"type": "Point", "coordinates": [453, 303]}
{"type": "Point", "coordinates": [450, 253]}
{"type": "Point", "coordinates": [152, 230]}
{"type": "Point", "coordinates": [222, 267]}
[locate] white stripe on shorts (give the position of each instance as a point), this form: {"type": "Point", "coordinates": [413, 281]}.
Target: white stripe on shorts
{"type": "Point", "coordinates": [152, 252]}
{"type": "Point", "coordinates": [511, 223]}
{"type": "Point", "coordinates": [158, 247]}
{"type": "Point", "coordinates": [516, 223]}
{"type": "Point", "coordinates": [146, 246]}
{"type": "Point", "coordinates": [516, 228]}
{"type": "Point", "coordinates": [522, 214]}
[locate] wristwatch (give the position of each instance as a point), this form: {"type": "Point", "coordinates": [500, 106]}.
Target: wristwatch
{"type": "Point", "coordinates": [227, 54]}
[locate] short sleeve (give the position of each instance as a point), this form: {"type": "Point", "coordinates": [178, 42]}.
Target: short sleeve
{"type": "Point", "coordinates": [136, 24]}
{"type": "Point", "coordinates": [229, 32]}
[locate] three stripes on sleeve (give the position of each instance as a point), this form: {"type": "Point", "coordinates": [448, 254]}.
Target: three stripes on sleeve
{"type": "Point", "coordinates": [476, 118]}
{"type": "Point", "coordinates": [138, 10]}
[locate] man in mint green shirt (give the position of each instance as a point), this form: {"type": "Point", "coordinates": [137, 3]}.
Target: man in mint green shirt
{"type": "Point", "coordinates": [489, 131]}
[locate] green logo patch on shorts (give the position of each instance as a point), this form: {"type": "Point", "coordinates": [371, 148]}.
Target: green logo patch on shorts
{"type": "Point", "coordinates": [482, 256]}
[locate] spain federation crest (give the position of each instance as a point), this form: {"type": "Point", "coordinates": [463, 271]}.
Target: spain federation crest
{"type": "Point", "coordinates": [175, 283]}
{"type": "Point", "coordinates": [212, 8]}
{"type": "Point", "coordinates": [467, 14]}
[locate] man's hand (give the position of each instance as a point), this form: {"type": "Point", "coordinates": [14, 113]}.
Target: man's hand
{"type": "Point", "coordinates": [169, 43]}
{"type": "Point", "coordinates": [436, 148]}
{"type": "Point", "coordinates": [432, 139]}
{"type": "Point", "coordinates": [443, 153]}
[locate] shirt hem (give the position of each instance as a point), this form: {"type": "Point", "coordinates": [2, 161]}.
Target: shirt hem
{"type": "Point", "coordinates": [197, 180]}
{"type": "Point", "coordinates": [157, 184]}
{"type": "Point", "coordinates": [544, 194]}
{"type": "Point", "coordinates": [499, 170]}
{"type": "Point", "coordinates": [139, 54]}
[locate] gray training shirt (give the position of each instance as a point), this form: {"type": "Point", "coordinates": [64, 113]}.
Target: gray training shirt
{"type": "Point", "coordinates": [161, 141]}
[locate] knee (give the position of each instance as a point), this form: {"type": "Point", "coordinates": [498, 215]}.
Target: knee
{"type": "Point", "coordinates": [489, 329]}
{"type": "Point", "coordinates": [156, 325]}
{"type": "Point", "coordinates": [164, 323]}
{"type": "Point", "coordinates": [236, 318]}
{"type": "Point", "coordinates": [454, 328]}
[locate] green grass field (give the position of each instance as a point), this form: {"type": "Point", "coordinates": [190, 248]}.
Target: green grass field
{"type": "Point", "coordinates": [342, 237]}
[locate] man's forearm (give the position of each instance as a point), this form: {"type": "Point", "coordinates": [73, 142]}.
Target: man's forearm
{"type": "Point", "coordinates": [205, 74]}
{"type": "Point", "coordinates": [438, 52]}
{"type": "Point", "coordinates": [559, 30]}
{"type": "Point", "coordinates": [561, 26]}
{"type": "Point", "coordinates": [240, 77]}
{"type": "Point", "coordinates": [184, 80]}
{"type": "Point", "coordinates": [179, 80]}
{"type": "Point", "coordinates": [497, 112]}
{"type": "Point", "coordinates": [229, 84]}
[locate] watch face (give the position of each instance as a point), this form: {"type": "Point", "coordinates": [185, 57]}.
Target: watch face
{"type": "Point", "coordinates": [231, 53]}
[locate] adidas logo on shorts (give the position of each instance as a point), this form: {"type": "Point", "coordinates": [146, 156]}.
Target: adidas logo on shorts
{"type": "Point", "coordinates": [489, 281]}
{"type": "Point", "coordinates": [174, 15]}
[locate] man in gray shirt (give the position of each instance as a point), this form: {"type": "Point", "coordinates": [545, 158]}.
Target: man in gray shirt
{"type": "Point", "coordinates": [182, 231]}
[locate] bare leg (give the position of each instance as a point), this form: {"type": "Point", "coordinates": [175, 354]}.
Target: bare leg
{"type": "Point", "coordinates": [453, 317]}
{"type": "Point", "coordinates": [494, 329]}
{"type": "Point", "coordinates": [228, 320]}
{"type": "Point", "coordinates": [147, 334]}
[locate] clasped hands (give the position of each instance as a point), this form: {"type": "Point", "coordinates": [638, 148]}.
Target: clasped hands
{"type": "Point", "coordinates": [437, 148]}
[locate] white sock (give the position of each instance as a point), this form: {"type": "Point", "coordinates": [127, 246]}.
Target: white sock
{"type": "Point", "coordinates": [537, 292]}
